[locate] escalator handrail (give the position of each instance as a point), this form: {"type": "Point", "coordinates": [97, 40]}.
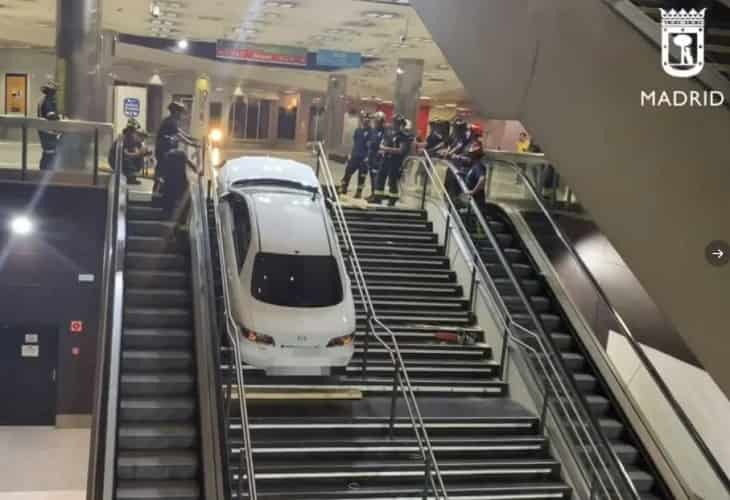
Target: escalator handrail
{"type": "Point", "coordinates": [233, 333]}
{"type": "Point", "coordinates": [636, 347]}
{"type": "Point", "coordinates": [98, 427]}
{"type": "Point", "coordinates": [415, 416]}
{"type": "Point", "coordinates": [208, 338]}
{"type": "Point", "coordinates": [557, 369]}
{"type": "Point", "coordinates": [102, 472]}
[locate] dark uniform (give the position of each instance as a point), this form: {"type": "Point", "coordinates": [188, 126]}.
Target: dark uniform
{"type": "Point", "coordinates": [165, 142]}
{"type": "Point", "coordinates": [392, 166]}
{"type": "Point", "coordinates": [48, 109]}
{"type": "Point", "coordinates": [358, 160]}
{"type": "Point", "coordinates": [375, 158]}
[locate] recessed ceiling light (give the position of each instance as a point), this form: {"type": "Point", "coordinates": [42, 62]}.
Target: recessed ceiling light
{"type": "Point", "coordinates": [378, 14]}
{"type": "Point", "coordinates": [443, 67]}
{"type": "Point", "coordinates": [400, 46]}
{"type": "Point", "coordinates": [183, 44]}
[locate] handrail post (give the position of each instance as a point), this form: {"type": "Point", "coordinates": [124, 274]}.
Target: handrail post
{"type": "Point", "coordinates": [24, 152]}
{"type": "Point", "coordinates": [543, 412]}
{"type": "Point", "coordinates": [473, 285]}
{"type": "Point", "coordinates": [96, 155]}
{"type": "Point", "coordinates": [504, 351]}
{"type": "Point", "coordinates": [423, 190]}
{"type": "Point", "coordinates": [366, 343]}
{"type": "Point", "coordinates": [396, 375]}
{"type": "Point", "coordinates": [427, 478]}
{"type": "Point", "coordinates": [447, 234]}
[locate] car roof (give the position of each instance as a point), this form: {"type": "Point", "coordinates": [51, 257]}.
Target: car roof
{"type": "Point", "coordinates": [290, 222]}
{"type": "Point", "coordinates": [253, 168]}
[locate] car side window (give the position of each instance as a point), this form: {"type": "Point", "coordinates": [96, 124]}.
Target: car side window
{"type": "Point", "coordinates": [241, 227]}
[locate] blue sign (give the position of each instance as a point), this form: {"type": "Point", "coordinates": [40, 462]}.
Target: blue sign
{"type": "Point", "coordinates": [131, 107]}
{"type": "Point", "coordinates": [338, 59]}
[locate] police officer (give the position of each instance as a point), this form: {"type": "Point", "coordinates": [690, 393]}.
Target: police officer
{"type": "Point", "coordinates": [168, 137]}
{"type": "Point", "coordinates": [48, 109]}
{"type": "Point", "coordinates": [457, 144]}
{"type": "Point", "coordinates": [375, 156]}
{"type": "Point", "coordinates": [438, 136]}
{"type": "Point", "coordinates": [476, 172]}
{"type": "Point", "coordinates": [358, 161]}
{"type": "Point", "coordinates": [395, 147]}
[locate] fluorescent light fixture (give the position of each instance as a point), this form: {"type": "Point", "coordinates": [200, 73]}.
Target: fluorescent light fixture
{"type": "Point", "coordinates": [21, 225]}
{"type": "Point", "coordinates": [280, 5]}
{"type": "Point", "coordinates": [399, 70]}
{"type": "Point", "coordinates": [155, 9]}
{"type": "Point", "coordinates": [183, 44]}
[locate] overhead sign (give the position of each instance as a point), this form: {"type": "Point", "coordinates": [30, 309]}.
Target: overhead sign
{"type": "Point", "coordinates": [273, 54]}
{"type": "Point", "coordinates": [339, 59]}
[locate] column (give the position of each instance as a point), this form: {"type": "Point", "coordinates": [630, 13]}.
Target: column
{"type": "Point", "coordinates": [303, 117]}
{"type": "Point", "coordinates": [199, 111]}
{"type": "Point", "coordinates": [408, 83]}
{"type": "Point", "coordinates": [81, 95]}
{"type": "Point", "coordinates": [334, 115]}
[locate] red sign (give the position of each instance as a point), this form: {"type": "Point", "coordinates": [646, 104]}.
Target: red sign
{"type": "Point", "coordinates": [272, 54]}
{"type": "Point", "coordinates": [77, 326]}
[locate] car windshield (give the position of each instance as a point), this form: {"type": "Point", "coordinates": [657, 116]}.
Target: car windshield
{"type": "Point", "coordinates": [276, 183]}
{"type": "Point", "coordinates": [296, 280]}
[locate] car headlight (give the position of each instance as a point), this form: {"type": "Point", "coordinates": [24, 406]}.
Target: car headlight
{"type": "Point", "coordinates": [342, 341]}
{"type": "Point", "coordinates": [259, 338]}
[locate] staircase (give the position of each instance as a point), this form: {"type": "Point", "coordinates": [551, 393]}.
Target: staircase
{"type": "Point", "coordinates": [158, 441]}
{"type": "Point", "coordinates": [341, 447]}
{"type": "Point", "coordinates": [595, 394]}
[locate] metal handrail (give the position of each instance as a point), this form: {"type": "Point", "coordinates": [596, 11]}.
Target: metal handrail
{"type": "Point", "coordinates": [556, 369]}
{"type": "Point", "coordinates": [73, 126]}
{"type": "Point", "coordinates": [96, 474]}
{"type": "Point", "coordinates": [233, 333]}
{"type": "Point", "coordinates": [650, 368]}
{"type": "Point", "coordinates": [432, 471]}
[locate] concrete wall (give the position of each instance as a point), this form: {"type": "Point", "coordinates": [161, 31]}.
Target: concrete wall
{"type": "Point", "coordinates": [655, 180]}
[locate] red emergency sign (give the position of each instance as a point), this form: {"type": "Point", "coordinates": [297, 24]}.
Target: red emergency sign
{"type": "Point", "coordinates": [77, 326]}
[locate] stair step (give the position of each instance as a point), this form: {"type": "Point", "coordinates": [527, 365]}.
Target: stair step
{"type": "Point", "coordinates": [147, 436]}
{"type": "Point", "coordinates": [157, 465]}
{"type": "Point", "coordinates": [151, 338]}
{"type": "Point", "coordinates": [150, 228]}
{"type": "Point", "coordinates": [374, 262]}
{"type": "Point", "coordinates": [137, 212]}
{"type": "Point", "coordinates": [380, 249]}
{"type": "Point", "coordinates": [157, 490]}
{"type": "Point", "coordinates": [134, 360]}
{"type": "Point", "coordinates": [160, 409]}
{"type": "Point", "coordinates": [153, 297]}
{"type": "Point", "coordinates": [137, 317]}
{"type": "Point", "coordinates": [156, 279]}
{"type": "Point", "coordinates": [156, 261]}
{"type": "Point", "coordinates": [151, 244]}
{"type": "Point", "coordinates": [157, 384]}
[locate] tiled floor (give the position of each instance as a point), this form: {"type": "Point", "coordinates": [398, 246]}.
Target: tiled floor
{"type": "Point", "coordinates": [43, 463]}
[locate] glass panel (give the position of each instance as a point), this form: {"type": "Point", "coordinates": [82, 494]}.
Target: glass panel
{"type": "Point", "coordinates": [252, 119]}
{"type": "Point", "coordinates": [264, 115]}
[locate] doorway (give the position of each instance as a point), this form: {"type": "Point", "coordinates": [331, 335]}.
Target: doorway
{"type": "Point", "coordinates": [16, 94]}
{"type": "Point", "coordinates": [28, 362]}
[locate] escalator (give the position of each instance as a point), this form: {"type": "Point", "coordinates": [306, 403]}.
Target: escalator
{"type": "Point", "coordinates": [564, 340]}
{"type": "Point", "coordinates": [158, 438]}
{"type": "Point", "coordinates": [156, 410]}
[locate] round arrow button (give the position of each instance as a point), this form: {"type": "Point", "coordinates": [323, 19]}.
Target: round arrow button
{"type": "Point", "coordinates": [717, 253]}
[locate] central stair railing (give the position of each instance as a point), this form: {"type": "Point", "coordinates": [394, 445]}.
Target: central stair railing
{"type": "Point", "coordinates": [433, 480]}
{"type": "Point", "coordinates": [603, 472]}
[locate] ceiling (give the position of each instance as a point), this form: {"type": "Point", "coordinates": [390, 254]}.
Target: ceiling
{"type": "Point", "coordinates": [382, 29]}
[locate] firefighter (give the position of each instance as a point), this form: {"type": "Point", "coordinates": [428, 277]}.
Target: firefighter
{"type": "Point", "coordinates": [437, 137]}
{"type": "Point", "coordinates": [395, 147]}
{"type": "Point", "coordinates": [375, 156]}
{"type": "Point", "coordinates": [358, 160]}
{"type": "Point", "coordinates": [168, 137]}
{"type": "Point", "coordinates": [48, 109]}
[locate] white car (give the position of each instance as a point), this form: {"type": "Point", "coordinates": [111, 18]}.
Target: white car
{"type": "Point", "coordinates": [289, 289]}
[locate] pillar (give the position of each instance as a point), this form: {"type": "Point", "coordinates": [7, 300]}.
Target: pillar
{"type": "Point", "coordinates": [79, 74]}
{"type": "Point", "coordinates": [304, 111]}
{"type": "Point", "coordinates": [200, 109]}
{"type": "Point", "coordinates": [408, 83]}
{"type": "Point", "coordinates": [334, 115]}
